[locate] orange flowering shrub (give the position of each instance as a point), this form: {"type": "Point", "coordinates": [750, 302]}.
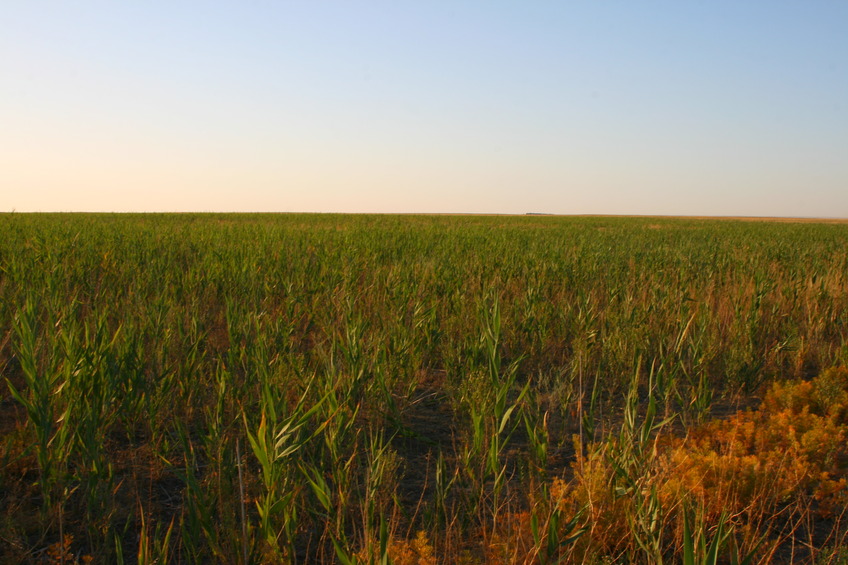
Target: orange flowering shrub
{"type": "Point", "coordinates": [795, 443]}
{"type": "Point", "coordinates": [417, 551]}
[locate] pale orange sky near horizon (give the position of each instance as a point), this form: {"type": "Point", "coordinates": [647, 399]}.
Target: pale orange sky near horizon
{"type": "Point", "coordinates": [582, 108]}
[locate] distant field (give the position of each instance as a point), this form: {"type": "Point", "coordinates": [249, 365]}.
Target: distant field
{"type": "Point", "coordinates": [261, 388]}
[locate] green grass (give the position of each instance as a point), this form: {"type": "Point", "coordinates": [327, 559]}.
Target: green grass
{"type": "Point", "coordinates": [267, 388]}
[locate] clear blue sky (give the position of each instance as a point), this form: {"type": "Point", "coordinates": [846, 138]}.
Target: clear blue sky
{"type": "Point", "coordinates": [610, 107]}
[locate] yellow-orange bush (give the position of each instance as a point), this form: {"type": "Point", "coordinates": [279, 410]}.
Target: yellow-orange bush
{"type": "Point", "coordinates": [746, 466]}
{"type": "Point", "coordinates": [796, 441]}
{"type": "Point", "coordinates": [417, 551]}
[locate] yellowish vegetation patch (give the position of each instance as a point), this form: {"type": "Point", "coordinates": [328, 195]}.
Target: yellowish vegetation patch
{"type": "Point", "coordinates": [751, 467]}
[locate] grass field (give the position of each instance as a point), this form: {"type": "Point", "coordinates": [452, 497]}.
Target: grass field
{"type": "Point", "coordinates": [422, 389]}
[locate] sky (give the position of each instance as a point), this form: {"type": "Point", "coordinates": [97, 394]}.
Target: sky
{"type": "Point", "coordinates": [606, 107]}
